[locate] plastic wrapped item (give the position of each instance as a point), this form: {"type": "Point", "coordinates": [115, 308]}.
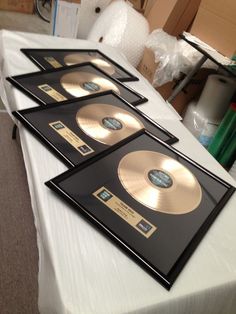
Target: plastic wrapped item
{"type": "Point", "coordinates": [168, 56]}
{"type": "Point", "coordinates": [122, 27]}
{"type": "Point", "coordinates": [193, 119]}
{"type": "Point", "coordinates": [90, 10]}
{"type": "Point", "coordinates": [172, 56]}
{"type": "Point", "coordinates": [203, 117]}
{"type": "Point", "coordinates": [199, 125]}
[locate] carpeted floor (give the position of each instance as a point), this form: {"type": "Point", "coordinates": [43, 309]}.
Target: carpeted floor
{"type": "Point", "coordinates": [2, 107]}
{"type": "Point", "coordinates": [18, 248]}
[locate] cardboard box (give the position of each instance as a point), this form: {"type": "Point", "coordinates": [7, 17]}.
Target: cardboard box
{"type": "Point", "coordinates": [148, 6]}
{"type": "Point", "coordinates": [174, 17]}
{"type": "Point", "coordinates": [215, 24]}
{"type": "Point", "coordinates": [137, 4]}
{"type": "Point", "coordinates": [23, 6]}
{"type": "Point", "coordinates": [62, 12]}
{"type": "Point", "coordinates": [147, 66]}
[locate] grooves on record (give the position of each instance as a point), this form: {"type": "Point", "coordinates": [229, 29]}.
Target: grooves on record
{"type": "Point", "coordinates": [159, 182]}
{"type": "Point", "coordinates": [106, 123]}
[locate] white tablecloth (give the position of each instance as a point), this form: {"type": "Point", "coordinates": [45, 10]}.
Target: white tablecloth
{"type": "Point", "coordinates": [80, 270]}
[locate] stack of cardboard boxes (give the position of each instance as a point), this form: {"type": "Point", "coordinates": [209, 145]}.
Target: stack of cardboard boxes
{"type": "Point", "coordinates": [212, 21]}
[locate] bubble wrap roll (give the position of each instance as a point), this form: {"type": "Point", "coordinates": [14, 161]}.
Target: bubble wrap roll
{"type": "Point", "coordinates": [90, 10]}
{"type": "Point", "coordinates": [122, 27]}
{"type": "Point", "coordinates": [216, 95]}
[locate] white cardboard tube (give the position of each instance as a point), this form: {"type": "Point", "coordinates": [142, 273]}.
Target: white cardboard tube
{"type": "Point", "coordinates": [216, 96]}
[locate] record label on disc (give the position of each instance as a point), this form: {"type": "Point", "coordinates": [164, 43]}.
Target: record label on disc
{"type": "Point", "coordinates": [112, 123]}
{"type": "Point", "coordinates": [160, 178]}
{"type": "Point", "coordinates": [91, 86]}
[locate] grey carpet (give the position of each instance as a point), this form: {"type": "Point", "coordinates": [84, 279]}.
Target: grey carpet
{"type": "Point", "coordinates": [2, 107]}
{"type": "Point", "coordinates": [18, 248]}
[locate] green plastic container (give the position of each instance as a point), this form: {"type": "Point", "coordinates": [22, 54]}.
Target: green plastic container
{"type": "Point", "coordinates": [232, 66]}
{"type": "Point", "coordinates": [227, 156]}
{"type": "Point", "coordinates": [224, 131]}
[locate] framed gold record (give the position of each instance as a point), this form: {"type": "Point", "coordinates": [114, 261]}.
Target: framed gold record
{"type": "Point", "coordinates": [47, 59]}
{"type": "Point", "coordinates": [149, 199]}
{"type": "Point", "coordinates": [70, 82]}
{"type": "Point", "coordinates": [77, 130]}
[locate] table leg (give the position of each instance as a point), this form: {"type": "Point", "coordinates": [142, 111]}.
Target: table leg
{"type": "Point", "coordinates": [186, 80]}
{"type": "Point", "coordinates": [14, 130]}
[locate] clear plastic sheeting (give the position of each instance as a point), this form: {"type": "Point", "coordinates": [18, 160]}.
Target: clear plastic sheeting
{"type": "Point", "coordinates": [172, 57]}
{"type": "Point", "coordinates": [90, 10]}
{"type": "Point", "coordinates": [122, 27]}
{"type": "Point", "coordinates": [193, 120]}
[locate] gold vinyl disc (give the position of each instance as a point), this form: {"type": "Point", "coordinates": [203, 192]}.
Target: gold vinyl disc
{"type": "Point", "coordinates": [83, 83]}
{"type": "Point", "coordinates": [107, 124]}
{"type": "Point", "coordinates": [159, 182]}
{"type": "Point", "coordinates": [76, 58]}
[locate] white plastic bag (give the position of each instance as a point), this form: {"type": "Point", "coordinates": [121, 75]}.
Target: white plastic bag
{"type": "Point", "coordinates": [168, 55]}
{"type": "Point", "coordinates": [173, 56]}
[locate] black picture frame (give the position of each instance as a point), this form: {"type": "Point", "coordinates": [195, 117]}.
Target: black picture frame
{"type": "Point", "coordinates": [216, 194]}
{"type": "Point", "coordinates": [29, 84]}
{"type": "Point", "coordinates": [36, 119]}
{"type": "Point", "coordinates": [37, 57]}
